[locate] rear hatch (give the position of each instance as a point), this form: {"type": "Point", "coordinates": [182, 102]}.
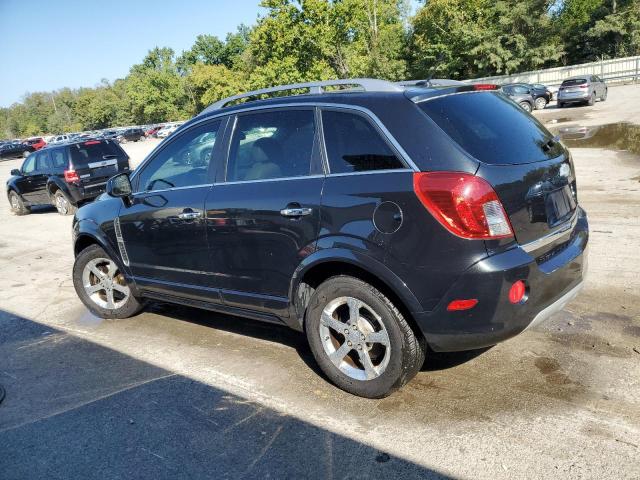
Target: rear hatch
{"type": "Point", "coordinates": [574, 85]}
{"type": "Point", "coordinates": [530, 170]}
{"type": "Point", "coordinates": [95, 161]}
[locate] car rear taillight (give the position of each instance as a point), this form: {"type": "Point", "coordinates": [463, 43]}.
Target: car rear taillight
{"type": "Point", "coordinates": [485, 86]}
{"type": "Point", "coordinates": [464, 204]}
{"type": "Point", "coordinates": [584, 86]}
{"type": "Point", "coordinates": [71, 176]}
{"type": "Point", "coordinates": [92, 142]}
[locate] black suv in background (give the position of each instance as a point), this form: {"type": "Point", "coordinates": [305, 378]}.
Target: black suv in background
{"type": "Point", "coordinates": [65, 175]}
{"type": "Point", "coordinates": [520, 94]}
{"type": "Point", "coordinates": [378, 222]}
{"type": "Point", "coordinates": [15, 150]}
{"type": "Point", "coordinates": [541, 94]}
{"type": "Point", "coordinates": [132, 135]}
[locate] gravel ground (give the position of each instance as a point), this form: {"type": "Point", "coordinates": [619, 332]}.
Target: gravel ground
{"type": "Point", "coordinates": [176, 392]}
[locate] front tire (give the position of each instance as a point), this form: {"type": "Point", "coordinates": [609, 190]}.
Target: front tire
{"type": "Point", "coordinates": [63, 204]}
{"type": "Point", "coordinates": [360, 339]}
{"type": "Point", "coordinates": [17, 204]}
{"type": "Point", "coordinates": [101, 285]}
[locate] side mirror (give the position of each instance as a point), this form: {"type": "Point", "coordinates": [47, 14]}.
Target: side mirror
{"type": "Point", "coordinates": [119, 186]}
{"type": "Point", "coordinates": [16, 172]}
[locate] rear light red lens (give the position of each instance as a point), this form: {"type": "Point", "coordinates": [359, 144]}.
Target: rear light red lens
{"type": "Point", "coordinates": [485, 86]}
{"type": "Point", "coordinates": [517, 292]}
{"type": "Point", "coordinates": [92, 142]}
{"type": "Point", "coordinates": [464, 204]}
{"type": "Point", "coordinates": [458, 305]}
{"type": "Point", "coordinates": [71, 176]}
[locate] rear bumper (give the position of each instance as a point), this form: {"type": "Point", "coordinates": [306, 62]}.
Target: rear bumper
{"type": "Point", "coordinates": [581, 97]}
{"type": "Point", "coordinates": [86, 192]}
{"type": "Point", "coordinates": [552, 281]}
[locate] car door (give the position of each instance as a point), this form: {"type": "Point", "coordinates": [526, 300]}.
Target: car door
{"type": "Point", "coordinates": [263, 212]}
{"type": "Point", "coordinates": [163, 224]}
{"type": "Point", "coordinates": [24, 182]}
{"type": "Point", "coordinates": [37, 179]}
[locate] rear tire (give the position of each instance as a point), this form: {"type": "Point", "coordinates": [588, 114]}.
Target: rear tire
{"type": "Point", "coordinates": [17, 204]}
{"type": "Point", "coordinates": [380, 352]}
{"type": "Point", "coordinates": [526, 106]}
{"type": "Point", "coordinates": [101, 286]}
{"type": "Point", "coordinates": [560, 104]}
{"type": "Point", "coordinates": [604, 97]}
{"type": "Point", "coordinates": [541, 103]}
{"type": "Point", "coordinates": [63, 204]}
{"type": "Point", "coordinates": [26, 153]}
{"type": "Point", "coordinates": [592, 100]}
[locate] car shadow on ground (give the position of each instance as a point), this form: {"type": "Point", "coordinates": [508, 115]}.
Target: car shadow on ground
{"type": "Point", "coordinates": [75, 409]}
{"type": "Point", "coordinates": [434, 361]}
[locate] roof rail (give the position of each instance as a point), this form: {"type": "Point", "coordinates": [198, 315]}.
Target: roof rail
{"type": "Point", "coordinates": [367, 84]}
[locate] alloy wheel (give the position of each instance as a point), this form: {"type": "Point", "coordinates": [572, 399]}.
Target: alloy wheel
{"type": "Point", "coordinates": [540, 103]}
{"type": "Point", "coordinates": [15, 206]}
{"type": "Point", "coordinates": [62, 204]}
{"type": "Point", "coordinates": [354, 338]}
{"type": "Point", "coordinates": [104, 284]}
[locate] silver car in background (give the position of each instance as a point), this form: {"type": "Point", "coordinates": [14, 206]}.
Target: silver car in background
{"type": "Point", "coordinates": [582, 89]}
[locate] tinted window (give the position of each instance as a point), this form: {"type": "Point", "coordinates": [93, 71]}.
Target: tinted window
{"type": "Point", "coordinates": [273, 144]}
{"type": "Point", "coordinates": [574, 81]}
{"type": "Point", "coordinates": [29, 164]}
{"type": "Point", "coordinates": [491, 128]}
{"type": "Point", "coordinates": [354, 145]}
{"type": "Point", "coordinates": [58, 159]}
{"type": "Point", "coordinates": [94, 151]}
{"type": "Point", "coordinates": [182, 163]}
{"type": "Point", "coordinates": [43, 162]}
{"type": "Point", "coordinates": [520, 89]}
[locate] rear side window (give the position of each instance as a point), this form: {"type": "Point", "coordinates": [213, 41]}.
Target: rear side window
{"type": "Point", "coordinates": [59, 158]}
{"type": "Point", "coordinates": [354, 145]}
{"type": "Point", "coordinates": [574, 81]}
{"type": "Point", "coordinates": [492, 128]}
{"type": "Point", "coordinates": [94, 151]}
{"type": "Point", "coordinates": [43, 162]}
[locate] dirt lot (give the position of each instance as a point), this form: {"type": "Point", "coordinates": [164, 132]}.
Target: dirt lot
{"type": "Point", "coordinates": [178, 393]}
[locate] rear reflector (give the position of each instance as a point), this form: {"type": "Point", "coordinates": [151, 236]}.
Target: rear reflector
{"type": "Point", "coordinates": [71, 176]}
{"type": "Point", "coordinates": [464, 204]}
{"type": "Point", "coordinates": [517, 292]}
{"type": "Point", "coordinates": [458, 305]}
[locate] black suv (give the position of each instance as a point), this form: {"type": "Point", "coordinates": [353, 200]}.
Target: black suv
{"type": "Point", "coordinates": [378, 220]}
{"type": "Point", "coordinates": [65, 175]}
{"type": "Point", "coordinates": [132, 135]}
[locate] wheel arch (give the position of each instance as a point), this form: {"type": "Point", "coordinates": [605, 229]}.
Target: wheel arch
{"type": "Point", "coordinates": [54, 184]}
{"type": "Point", "coordinates": [326, 264]}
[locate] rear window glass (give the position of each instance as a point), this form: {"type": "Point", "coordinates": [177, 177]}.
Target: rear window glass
{"type": "Point", "coordinates": [91, 151]}
{"type": "Point", "coordinates": [574, 81]}
{"type": "Point", "coordinates": [492, 128]}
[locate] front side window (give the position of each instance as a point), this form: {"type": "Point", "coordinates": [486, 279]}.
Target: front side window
{"type": "Point", "coordinates": [184, 162]}
{"type": "Point", "coordinates": [354, 145]}
{"type": "Point", "coordinates": [29, 165]}
{"type": "Point", "coordinates": [269, 145]}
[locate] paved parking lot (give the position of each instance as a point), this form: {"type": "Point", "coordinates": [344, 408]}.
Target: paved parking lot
{"type": "Point", "coordinates": [176, 392]}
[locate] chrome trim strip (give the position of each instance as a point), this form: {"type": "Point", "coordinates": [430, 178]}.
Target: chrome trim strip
{"type": "Point", "coordinates": [120, 241]}
{"type": "Point", "coordinates": [556, 306]}
{"type": "Point", "coordinates": [371, 172]}
{"type": "Point", "coordinates": [562, 230]}
{"type": "Point", "coordinates": [103, 163]}
{"type": "Point", "coordinates": [263, 180]}
{"type": "Point", "coordinates": [151, 192]}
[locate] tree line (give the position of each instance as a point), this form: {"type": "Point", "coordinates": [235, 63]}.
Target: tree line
{"type": "Point", "coordinates": [303, 40]}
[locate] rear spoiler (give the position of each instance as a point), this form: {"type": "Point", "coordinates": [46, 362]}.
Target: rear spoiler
{"type": "Point", "coordinates": [419, 94]}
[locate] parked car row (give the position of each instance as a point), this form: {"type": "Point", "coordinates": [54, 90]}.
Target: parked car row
{"type": "Point", "coordinates": [583, 89]}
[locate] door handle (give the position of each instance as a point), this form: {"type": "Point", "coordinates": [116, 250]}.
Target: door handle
{"type": "Point", "coordinates": [296, 212]}
{"type": "Point", "coordinates": [189, 215]}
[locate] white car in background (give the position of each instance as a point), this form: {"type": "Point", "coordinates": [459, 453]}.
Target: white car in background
{"type": "Point", "coordinates": [58, 139]}
{"type": "Point", "coordinates": [166, 131]}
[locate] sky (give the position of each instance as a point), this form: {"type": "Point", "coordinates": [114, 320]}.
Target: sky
{"type": "Point", "coordinates": [46, 45]}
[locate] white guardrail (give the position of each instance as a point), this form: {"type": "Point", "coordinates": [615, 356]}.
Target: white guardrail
{"type": "Point", "coordinates": [617, 70]}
